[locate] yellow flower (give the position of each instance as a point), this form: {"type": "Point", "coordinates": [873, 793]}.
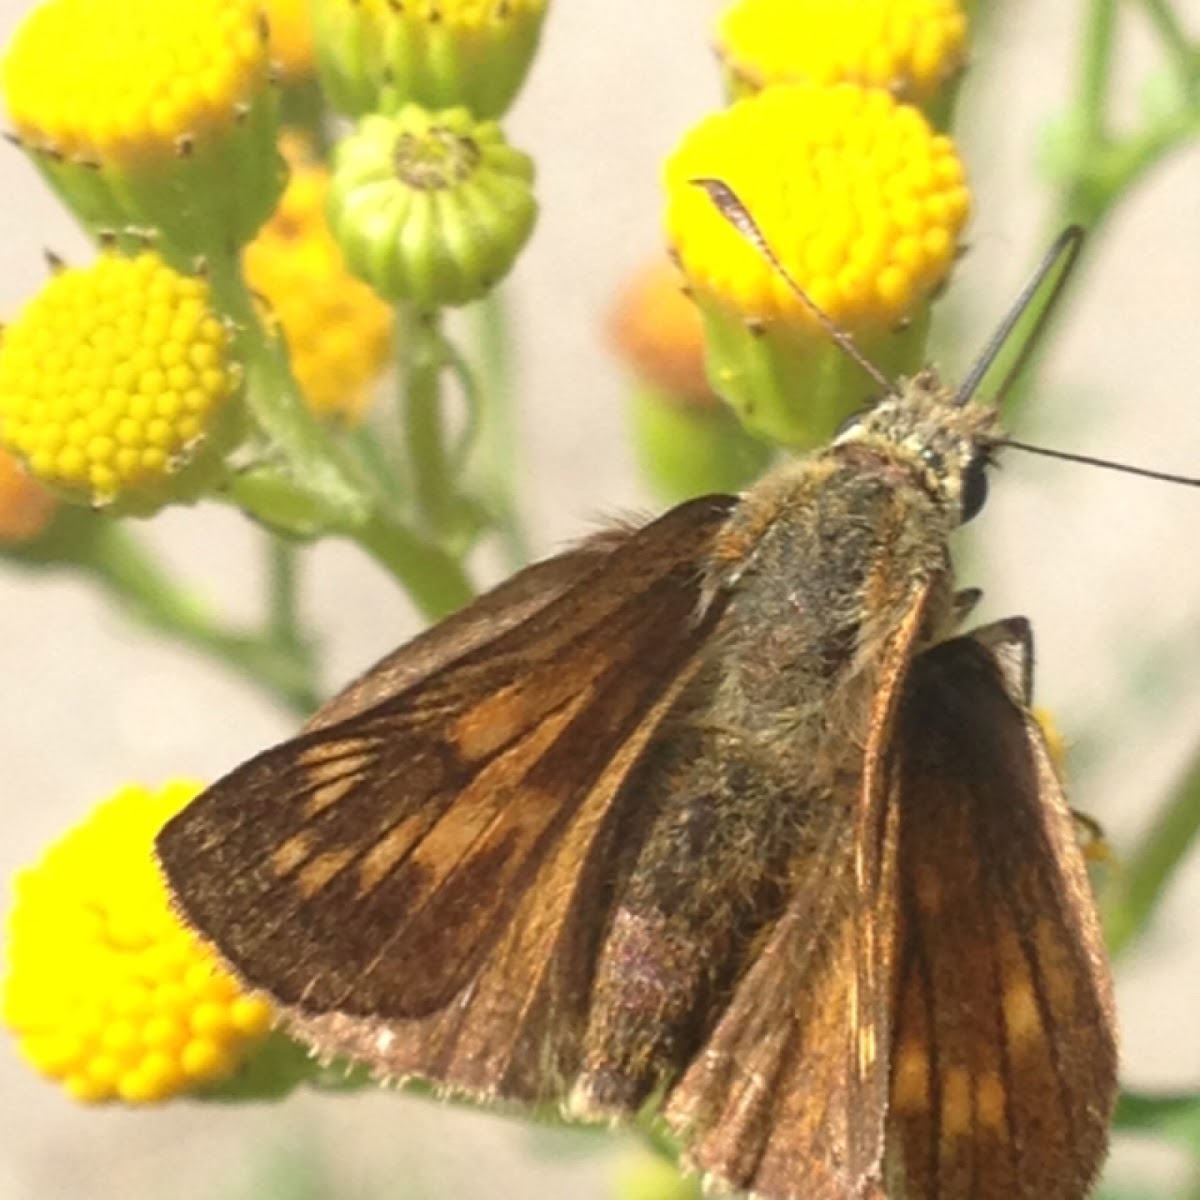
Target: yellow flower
{"type": "Point", "coordinates": [106, 991]}
{"type": "Point", "coordinates": [114, 378]}
{"type": "Point", "coordinates": [25, 505]}
{"type": "Point", "coordinates": [656, 328]}
{"type": "Point", "coordinates": [290, 38]}
{"type": "Point", "coordinates": [863, 204]}
{"type": "Point", "coordinates": [909, 47]}
{"type": "Point", "coordinates": [142, 116]}
{"type": "Point", "coordinates": [1088, 831]}
{"type": "Point", "coordinates": [338, 331]}
{"type": "Point", "coordinates": [644, 1175]}
{"type": "Point", "coordinates": [377, 55]}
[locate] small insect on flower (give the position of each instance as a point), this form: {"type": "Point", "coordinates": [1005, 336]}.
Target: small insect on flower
{"type": "Point", "coordinates": [722, 814]}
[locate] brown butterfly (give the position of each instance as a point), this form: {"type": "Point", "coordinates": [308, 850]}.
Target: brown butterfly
{"type": "Point", "coordinates": [718, 814]}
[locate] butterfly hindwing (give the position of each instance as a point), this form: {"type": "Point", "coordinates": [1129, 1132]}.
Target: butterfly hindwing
{"type": "Point", "coordinates": [1003, 1061]}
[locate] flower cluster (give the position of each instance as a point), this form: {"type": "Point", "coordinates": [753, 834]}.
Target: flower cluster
{"type": "Point", "coordinates": [863, 213]}
{"type": "Point", "coordinates": [337, 329]}
{"type": "Point", "coordinates": [194, 357]}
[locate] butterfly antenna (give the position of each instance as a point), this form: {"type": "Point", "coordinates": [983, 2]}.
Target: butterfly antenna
{"type": "Point", "coordinates": [1106, 463]}
{"type": "Point", "coordinates": [735, 212]}
{"type": "Point", "coordinates": [1059, 260]}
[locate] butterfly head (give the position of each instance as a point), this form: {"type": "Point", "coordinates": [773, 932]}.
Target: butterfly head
{"type": "Point", "coordinates": [945, 444]}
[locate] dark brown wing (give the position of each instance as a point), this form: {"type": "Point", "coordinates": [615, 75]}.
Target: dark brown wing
{"type": "Point", "coordinates": [1004, 1057]}
{"type": "Point", "coordinates": [370, 865]}
{"type": "Point", "coordinates": [501, 609]}
{"type": "Point", "coordinates": [788, 1096]}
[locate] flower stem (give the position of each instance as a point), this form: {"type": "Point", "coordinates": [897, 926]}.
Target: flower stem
{"type": "Point", "coordinates": [1133, 895]}
{"type": "Point", "coordinates": [126, 569]}
{"type": "Point", "coordinates": [322, 480]}
{"type": "Point", "coordinates": [436, 581]}
{"type": "Point", "coordinates": [494, 455]}
{"type": "Point", "coordinates": [420, 395]}
{"type": "Point", "coordinates": [1184, 56]}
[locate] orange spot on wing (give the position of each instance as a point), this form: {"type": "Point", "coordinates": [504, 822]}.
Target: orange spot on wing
{"type": "Point", "coordinates": [320, 870]}
{"type": "Point", "coordinates": [910, 1078]}
{"type": "Point", "coordinates": [290, 854]}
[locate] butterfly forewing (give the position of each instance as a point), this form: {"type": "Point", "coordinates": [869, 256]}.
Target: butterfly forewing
{"type": "Point", "coordinates": [1003, 1059]}
{"type": "Point", "coordinates": [368, 865]}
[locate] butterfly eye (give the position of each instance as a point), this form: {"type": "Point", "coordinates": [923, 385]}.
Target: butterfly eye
{"type": "Point", "coordinates": [974, 487]}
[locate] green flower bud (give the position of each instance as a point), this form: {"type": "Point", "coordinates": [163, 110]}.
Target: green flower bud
{"type": "Point", "coordinates": [376, 56]}
{"type": "Point", "coordinates": [431, 208]}
{"type": "Point", "coordinates": [686, 447]}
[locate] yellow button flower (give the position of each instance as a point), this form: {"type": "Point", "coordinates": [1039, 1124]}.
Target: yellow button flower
{"type": "Point", "coordinates": [25, 505]}
{"type": "Point", "coordinates": [140, 117]}
{"type": "Point", "coordinates": [377, 55]}
{"type": "Point", "coordinates": [106, 991]}
{"type": "Point", "coordinates": [114, 378]}
{"type": "Point", "coordinates": [95, 87]}
{"type": "Point", "coordinates": [338, 330]}
{"type": "Point", "coordinates": [862, 202]}
{"type": "Point", "coordinates": [656, 328]}
{"type": "Point", "coordinates": [909, 47]}
{"type": "Point", "coordinates": [290, 38]}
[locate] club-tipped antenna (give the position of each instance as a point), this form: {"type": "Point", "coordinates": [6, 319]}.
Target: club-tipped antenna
{"type": "Point", "coordinates": [1058, 261]}
{"type": "Point", "coordinates": [735, 212]}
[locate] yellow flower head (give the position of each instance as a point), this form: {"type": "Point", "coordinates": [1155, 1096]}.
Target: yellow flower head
{"type": "Point", "coordinates": [105, 990]}
{"type": "Point", "coordinates": [140, 115]}
{"type": "Point", "coordinates": [861, 202]}
{"type": "Point", "coordinates": [25, 505]}
{"type": "Point", "coordinates": [291, 38]}
{"type": "Point", "coordinates": [657, 329]}
{"type": "Point", "coordinates": [94, 82]}
{"type": "Point", "coordinates": [338, 331]}
{"type": "Point", "coordinates": [377, 55]}
{"type": "Point", "coordinates": [858, 196]}
{"type": "Point", "coordinates": [909, 47]}
{"type": "Point", "coordinates": [114, 377]}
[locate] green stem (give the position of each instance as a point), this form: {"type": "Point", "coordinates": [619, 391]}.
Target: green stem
{"type": "Point", "coordinates": [495, 456]}
{"type": "Point", "coordinates": [1137, 887]}
{"type": "Point", "coordinates": [436, 582]}
{"type": "Point", "coordinates": [1173, 1116]}
{"type": "Point", "coordinates": [283, 617]}
{"type": "Point", "coordinates": [328, 485]}
{"type": "Point", "coordinates": [278, 408]}
{"type": "Point", "coordinates": [131, 574]}
{"type": "Point", "coordinates": [1095, 71]}
{"type": "Point", "coordinates": [422, 360]}
{"type": "Point", "coordinates": [1184, 56]}
{"type": "Point", "coordinates": [1115, 170]}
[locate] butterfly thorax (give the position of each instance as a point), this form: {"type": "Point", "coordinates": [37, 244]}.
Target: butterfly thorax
{"type": "Point", "coordinates": [820, 563]}
{"type": "Point", "coordinates": [924, 432]}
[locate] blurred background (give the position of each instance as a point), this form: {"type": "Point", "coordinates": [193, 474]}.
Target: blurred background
{"type": "Point", "coordinates": [1106, 567]}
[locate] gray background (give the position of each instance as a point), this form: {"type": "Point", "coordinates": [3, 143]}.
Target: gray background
{"type": "Point", "coordinates": [1106, 568]}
